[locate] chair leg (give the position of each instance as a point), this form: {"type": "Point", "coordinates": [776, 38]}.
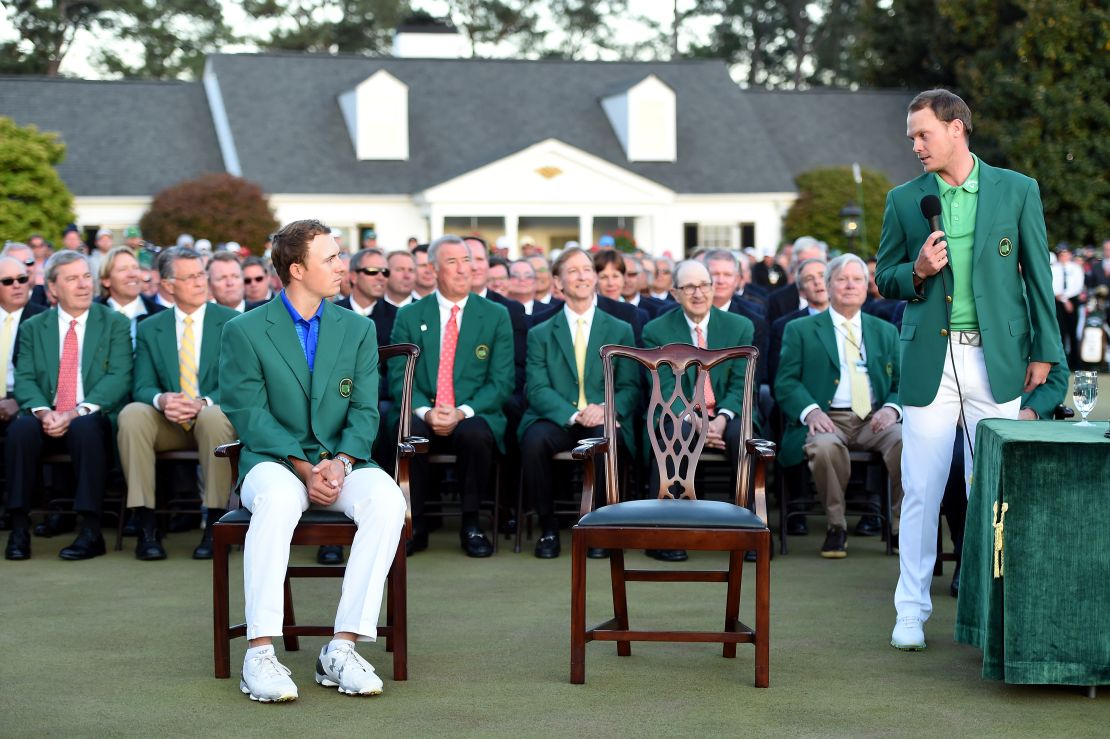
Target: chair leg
{"type": "Point", "coordinates": [292, 643]}
{"type": "Point", "coordinates": [763, 614]}
{"type": "Point", "coordinates": [578, 610]}
{"type": "Point", "coordinates": [119, 523]}
{"type": "Point", "coordinates": [784, 507]}
{"type": "Point", "coordinates": [620, 598]}
{"type": "Point", "coordinates": [888, 517]}
{"type": "Point", "coordinates": [938, 564]}
{"type": "Point", "coordinates": [398, 611]}
{"type": "Point", "coordinates": [221, 642]}
{"type": "Point", "coordinates": [496, 505]}
{"type": "Point", "coordinates": [519, 512]}
{"type": "Point", "coordinates": [732, 599]}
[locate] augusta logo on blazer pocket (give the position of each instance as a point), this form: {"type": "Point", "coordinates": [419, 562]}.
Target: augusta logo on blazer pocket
{"type": "Point", "coordinates": [1005, 246]}
{"type": "Point", "coordinates": [482, 352]}
{"type": "Point", "coordinates": [345, 387]}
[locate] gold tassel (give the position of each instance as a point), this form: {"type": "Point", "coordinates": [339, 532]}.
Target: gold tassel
{"type": "Point", "coordinates": [999, 521]}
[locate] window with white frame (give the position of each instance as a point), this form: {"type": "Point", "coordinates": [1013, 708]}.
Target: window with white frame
{"type": "Point", "coordinates": [715, 235]}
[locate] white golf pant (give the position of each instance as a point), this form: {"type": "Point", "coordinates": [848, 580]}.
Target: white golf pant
{"type": "Point", "coordinates": [927, 439]}
{"type": "Point", "coordinates": [276, 498]}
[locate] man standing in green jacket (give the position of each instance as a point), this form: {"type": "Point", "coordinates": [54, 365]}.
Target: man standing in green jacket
{"type": "Point", "coordinates": [979, 329]}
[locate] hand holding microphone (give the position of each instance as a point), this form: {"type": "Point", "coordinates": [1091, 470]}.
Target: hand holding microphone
{"type": "Point", "coordinates": [934, 252]}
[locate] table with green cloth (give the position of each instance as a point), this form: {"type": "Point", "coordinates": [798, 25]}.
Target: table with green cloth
{"type": "Point", "coordinates": [1046, 618]}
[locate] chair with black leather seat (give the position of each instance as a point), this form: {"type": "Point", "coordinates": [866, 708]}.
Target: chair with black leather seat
{"type": "Point", "coordinates": [675, 519]}
{"type": "Point", "coordinates": [318, 527]}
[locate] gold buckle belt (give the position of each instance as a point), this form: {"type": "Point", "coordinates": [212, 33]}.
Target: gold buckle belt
{"type": "Point", "coordinates": [969, 338]}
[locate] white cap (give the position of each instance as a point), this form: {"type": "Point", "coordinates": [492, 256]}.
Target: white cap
{"type": "Point", "coordinates": [233, 246]}
{"type": "Point", "coordinates": [571, 245]}
{"type": "Point", "coordinates": [203, 245]}
{"type": "Point", "coordinates": [103, 232]}
{"type": "Point", "coordinates": [185, 240]}
{"type": "Point", "coordinates": [502, 242]}
{"type": "Point", "coordinates": [527, 240]}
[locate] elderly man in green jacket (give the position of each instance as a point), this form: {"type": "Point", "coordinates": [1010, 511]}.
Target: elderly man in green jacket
{"type": "Point", "coordinates": [177, 399]}
{"type": "Point", "coordinates": [73, 375]}
{"type": "Point", "coordinates": [838, 386]}
{"type": "Point", "coordinates": [463, 377]}
{"type": "Point", "coordinates": [566, 388]}
{"type": "Point", "coordinates": [299, 382]}
{"type": "Point", "coordinates": [980, 327]}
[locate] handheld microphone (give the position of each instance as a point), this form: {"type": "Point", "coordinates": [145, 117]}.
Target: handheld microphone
{"type": "Point", "coordinates": [930, 208]}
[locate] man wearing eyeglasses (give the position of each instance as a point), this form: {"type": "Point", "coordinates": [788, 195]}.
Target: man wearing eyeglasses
{"type": "Point", "coordinates": [15, 308]}
{"type": "Point", "coordinates": [256, 280]}
{"type": "Point", "coordinates": [702, 324]}
{"type": "Point", "coordinates": [24, 254]}
{"type": "Point", "coordinates": [177, 396]}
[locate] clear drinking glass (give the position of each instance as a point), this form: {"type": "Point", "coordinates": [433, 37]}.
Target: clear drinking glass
{"type": "Point", "coordinates": [1085, 393]}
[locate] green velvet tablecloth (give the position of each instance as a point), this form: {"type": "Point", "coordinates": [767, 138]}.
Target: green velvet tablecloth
{"type": "Point", "coordinates": [1047, 619]}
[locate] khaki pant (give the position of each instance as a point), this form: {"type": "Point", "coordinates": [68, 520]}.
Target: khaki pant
{"type": "Point", "coordinates": [144, 431]}
{"type": "Point", "coordinates": [831, 468]}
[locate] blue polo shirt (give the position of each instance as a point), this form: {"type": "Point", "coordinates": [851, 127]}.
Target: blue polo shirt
{"type": "Point", "coordinates": [308, 330]}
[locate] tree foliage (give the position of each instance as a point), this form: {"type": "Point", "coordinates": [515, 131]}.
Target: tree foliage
{"type": "Point", "coordinates": [35, 198]}
{"type": "Point", "coordinates": [173, 36]}
{"type": "Point", "coordinates": [821, 195]}
{"type": "Point", "coordinates": [331, 26]}
{"type": "Point", "coordinates": [46, 32]}
{"type": "Point", "coordinates": [218, 207]}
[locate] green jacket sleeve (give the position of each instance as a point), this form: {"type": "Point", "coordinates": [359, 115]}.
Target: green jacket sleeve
{"type": "Point", "coordinates": [28, 392]}
{"type": "Point", "coordinates": [1035, 270]}
{"type": "Point", "coordinates": [1044, 398]}
{"type": "Point", "coordinates": [791, 394]}
{"type": "Point", "coordinates": [361, 428]}
{"type": "Point", "coordinates": [112, 389]}
{"type": "Point", "coordinates": [543, 398]}
{"type": "Point", "coordinates": [405, 332]}
{"type": "Point", "coordinates": [145, 381]}
{"type": "Point", "coordinates": [894, 265]}
{"type": "Point", "coordinates": [246, 404]}
{"type": "Point", "coordinates": [733, 396]}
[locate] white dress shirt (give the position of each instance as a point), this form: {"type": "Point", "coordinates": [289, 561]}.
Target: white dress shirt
{"type": "Point", "coordinates": [572, 324]}
{"type": "Point", "coordinates": [400, 304]}
{"type": "Point", "coordinates": [444, 317]}
{"type": "Point", "coordinates": [63, 328]}
{"type": "Point", "coordinates": [16, 315]}
{"type": "Point", "coordinates": [132, 310]}
{"type": "Point", "coordinates": [357, 307]}
{"type": "Point", "coordinates": [1067, 280]}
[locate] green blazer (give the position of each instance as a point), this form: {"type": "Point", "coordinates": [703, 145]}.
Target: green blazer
{"type": "Point", "coordinates": [725, 330]}
{"type": "Point", "coordinates": [484, 370]}
{"type": "Point", "coordinates": [105, 360]}
{"type": "Point", "coordinates": [156, 364]}
{"type": "Point", "coordinates": [552, 375]}
{"type": "Point", "coordinates": [1016, 308]}
{"type": "Point", "coordinates": [279, 408]}
{"type": "Point", "coordinates": [809, 371]}
{"type": "Point", "coordinates": [1044, 398]}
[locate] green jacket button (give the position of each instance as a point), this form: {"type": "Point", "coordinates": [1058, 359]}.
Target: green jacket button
{"type": "Point", "coordinates": [948, 298]}
{"type": "Point", "coordinates": [944, 332]}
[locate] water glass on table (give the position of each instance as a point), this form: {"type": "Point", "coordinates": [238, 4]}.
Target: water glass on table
{"type": "Point", "coordinates": [1085, 393]}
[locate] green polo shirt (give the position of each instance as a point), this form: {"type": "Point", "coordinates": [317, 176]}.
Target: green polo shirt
{"type": "Point", "coordinates": [958, 206]}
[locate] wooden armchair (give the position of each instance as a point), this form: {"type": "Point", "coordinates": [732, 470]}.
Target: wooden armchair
{"type": "Point", "coordinates": [675, 519]}
{"type": "Point", "coordinates": [318, 527]}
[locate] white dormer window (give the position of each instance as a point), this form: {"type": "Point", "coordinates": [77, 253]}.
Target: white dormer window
{"type": "Point", "coordinates": [644, 119]}
{"type": "Point", "coordinates": [377, 117]}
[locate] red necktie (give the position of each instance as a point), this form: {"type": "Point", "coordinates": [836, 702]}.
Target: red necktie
{"type": "Point", "coordinates": [445, 380]}
{"type": "Point", "coordinates": [66, 399]}
{"type": "Point", "coordinates": [710, 398]}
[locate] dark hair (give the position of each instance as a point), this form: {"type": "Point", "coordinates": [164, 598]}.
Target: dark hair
{"type": "Point", "coordinates": [557, 268]}
{"type": "Point", "coordinates": [946, 106]}
{"type": "Point", "coordinates": [290, 245]}
{"type": "Point", "coordinates": [605, 257]}
{"type": "Point", "coordinates": [499, 261]}
{"type": "Point", "coordinates": [480, 240]}
{"type": "Point", "coordinates": [420, 248]}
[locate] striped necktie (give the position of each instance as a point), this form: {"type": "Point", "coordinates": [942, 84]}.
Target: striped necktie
{"type": "Point", "coordinates": [580, 342]}
{"type": "Point", "coordinates": [861, 392]}
{"type": "Point", "coordinates": [187, 365]}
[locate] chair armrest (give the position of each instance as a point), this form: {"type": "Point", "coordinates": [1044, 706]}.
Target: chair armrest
{"type": "Point", "coordinates": [590, 448]}
{"type": "Point", "coordinates": [410, 446]}
{"type": "Point", "coordinates": [765, 450]}
{"type": "Point", "coordinates": [230, 450]}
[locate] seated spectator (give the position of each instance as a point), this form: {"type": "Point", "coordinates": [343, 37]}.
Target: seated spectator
{"type": "Point", "coordinates": [402, 278]}
{"type": "Point", "coordinates": [369, 275]}
{"type": "Point", "coordinates": [699, 323]}
{"type": "Point", "coordinates": [15, 308]}
{"type": "Point", "coordinates": [225, 282]}
{"type": "Point", "coordinates": [463, 377]}
{"type": "Point", "coordinates": [163, 296]}
{"type": "Point", "coordinates": [42, 249]}
{"type": "Point", "coordinates": [838, 386]}
{"type": "Point", "coordinates": [256, 280]}
{"type": "Point", "coordinates": [425, 283]}
{"type": "Point", "coordinates": [725, 273]}
{"type": "Point", "coordinates": [26, 255]}
{"type": "Point", "coordinates": [299, 378]}
{"type": "Point", "coordinates": [662, 283]}
{"type": "Point", "coordinates": [566, 392]}
{"type": "Point", "coordinates": [632, 289]}
{"type": "Point", "coordinates": [522, 284]}
{"type": "Point", "coordinates": [74, 374]}
{"type": "Point", "coordinates": [787, 299]}
{"type": "Point", "coordinates": [121, 287]}
{"type": "Point", "coordinates": [877, 305]}
{"type": "Point", "coordinates": [498, 280]}
{"type": "Point", "coordinates": [542, 270]}
{"type": "Point", "coordinates": [809, 276]}
{"type": "Point", "coordinates": [177, 396]}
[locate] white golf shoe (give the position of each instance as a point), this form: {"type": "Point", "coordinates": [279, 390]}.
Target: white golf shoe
{"type": "Point", "coordinates": [345, 669]}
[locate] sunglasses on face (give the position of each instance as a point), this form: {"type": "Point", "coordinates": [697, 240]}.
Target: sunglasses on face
{"type": "Point", "coordinates": [249, 280]}
{"type": "Point", "coordinates": [9, 281]}
{"type": "Point", "coordinates": [28, 262]}
{"type": "Point", "coordinates": [373, 271]}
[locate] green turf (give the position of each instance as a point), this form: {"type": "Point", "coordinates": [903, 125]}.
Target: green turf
{"type": "Point", "coordinates": [116, 646]}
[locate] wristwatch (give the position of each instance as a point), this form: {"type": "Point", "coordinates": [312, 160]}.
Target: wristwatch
{"type": "Point", "coordinates": [348, 468]}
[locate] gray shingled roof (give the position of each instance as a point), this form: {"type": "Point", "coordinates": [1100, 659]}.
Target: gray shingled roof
{"type": "Point", "coordinates": [822, 128]}
{"type": "Point", "coordinates": [463, 114]}
{"type": "Point", "coordinates": [122, 138]}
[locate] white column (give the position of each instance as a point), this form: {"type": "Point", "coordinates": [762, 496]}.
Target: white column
{"type": "Point", "coordinates": [512, 227]}
{"type": "Point", "coordinates": [586, 231]}
{"type": "Point", "coordinates": [435, 222]}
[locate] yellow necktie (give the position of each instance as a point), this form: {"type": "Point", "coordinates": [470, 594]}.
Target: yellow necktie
{"type": "Point", "coordinates": [580, 361]}
{"type": "Point", "coordinates": [187, 364]}
{"type": "Point", "coordinates": [861, 391]}
{"type": "Point", "coordinates": [5, 352]}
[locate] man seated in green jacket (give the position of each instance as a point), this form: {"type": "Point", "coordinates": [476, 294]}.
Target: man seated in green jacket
{"type": "Point", "coordinates": [566, 387]}
{"type": "Point", "coordinates": [463, 377]}
{"type": "Point", "coordinates": [299, 381]}
{"type": "Point", "coordinates": [837, 384]}
{"type": "Point", "coordinates": [73, 375]}
{"type": "Point", "coordinates": [177, 398]}
{"type": "Point", "coordinates": [700, 324]}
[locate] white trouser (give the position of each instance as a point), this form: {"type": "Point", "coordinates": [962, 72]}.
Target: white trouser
{"type": "Point", "coordinates": [276, 498]}
{"type": "Point", "coordinates": [927, 440]}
